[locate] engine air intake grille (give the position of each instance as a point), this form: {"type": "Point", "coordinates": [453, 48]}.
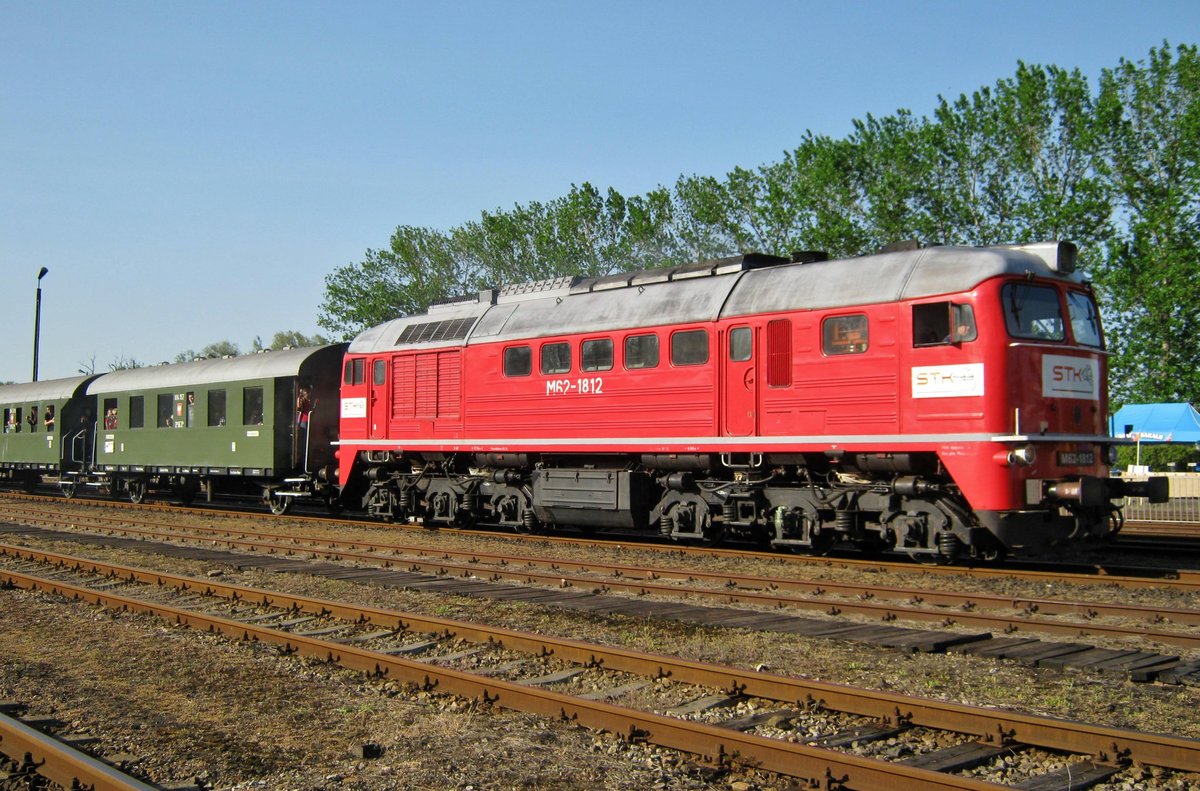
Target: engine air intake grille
{"type": "Point", "coordinates": [447, 330]}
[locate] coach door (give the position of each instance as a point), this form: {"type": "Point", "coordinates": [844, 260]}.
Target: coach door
{"type": "Point", "coordinates": [741, 385]}
{"type": "Point", "coordinates": [379, 404]}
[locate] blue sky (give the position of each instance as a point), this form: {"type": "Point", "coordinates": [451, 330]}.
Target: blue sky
{"type": "Point", "coordinates": [190, 172]}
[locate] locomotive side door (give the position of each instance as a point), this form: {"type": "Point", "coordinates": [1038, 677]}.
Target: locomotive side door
{"type": "Point", "coordinates": [740, 413]}
{"type": "Point", "coordinates": [379, 404]}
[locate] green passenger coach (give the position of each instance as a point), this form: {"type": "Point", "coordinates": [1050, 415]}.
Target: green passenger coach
{"type": "Point", "coordinates": [260, 424]}
{"type": "Point", "coordinates": [46, 429]}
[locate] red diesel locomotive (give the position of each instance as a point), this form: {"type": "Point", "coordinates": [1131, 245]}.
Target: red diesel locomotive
{"type": "Point", "coordinates": [947, 402]}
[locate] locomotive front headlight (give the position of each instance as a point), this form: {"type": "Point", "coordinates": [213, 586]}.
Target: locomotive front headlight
{"type": "Point", "coordinates": [1025, 456]}
{"type": "Point", "coordinates": [1111, 455]}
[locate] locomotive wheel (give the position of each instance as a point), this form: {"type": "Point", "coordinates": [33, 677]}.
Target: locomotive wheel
{"type": "Point", "coordinates": [278, 504]}
{"type": "Point", "coordinates": [137, 490]}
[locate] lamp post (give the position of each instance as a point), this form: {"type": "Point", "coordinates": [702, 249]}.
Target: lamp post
{"type": "Point", "coordinates": [37, 321]}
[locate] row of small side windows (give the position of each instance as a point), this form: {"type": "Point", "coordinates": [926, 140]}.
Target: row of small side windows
{"type": "Point", "coordinates": [840, 335]}
{"type": "Point", "coordinates": [688, 347]}
{"type": "Point", "coordinates": [183, 415]}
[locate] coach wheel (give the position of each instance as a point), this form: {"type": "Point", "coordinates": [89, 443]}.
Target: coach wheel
{"type": "Point", "coordinates": [185, 490]}
{"type": "Point", "coordinates": [277, 503]}
{"type": "Point", "coordinates": [68, 488]}
{"type": "Point", "coordinates": [30, 483]}
{"type": "Point", "coordinates": [137, 490]}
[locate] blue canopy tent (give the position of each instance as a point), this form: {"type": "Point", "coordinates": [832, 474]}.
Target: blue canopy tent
{"type": "Point", "coordinates": [1157, 423]}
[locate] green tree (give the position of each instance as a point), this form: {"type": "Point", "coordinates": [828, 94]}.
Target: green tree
{"type": "Point", "coordinates": [1149, 117]}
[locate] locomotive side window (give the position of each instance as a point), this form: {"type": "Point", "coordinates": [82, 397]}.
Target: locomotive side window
{"type": "Point", "coordinates": [844, 334]}
{"type": "Point", "coordinates": [137, 411]}
{"type": "Point", "coordinates": [379, 372]}
{"type": "Point", "coordinates": [216, 407]}
{"type": "Point", "coordinates": [740, 344]}
{"type": "Point", "coordinates": [1032, 312]}
{"type": "Point", "coordinates": [518, 361]}
{"type": "Point", "coordinates": [689, 347]}
{"type": "Point", "coordinates": [1085, 320]}
{"type": "Point", "coordinates": [596, 355]}
{"type": "Point", "coordinates": [942, 323]}
{"type": "Point", "coordinates": [556, 358]}
{"type": "Point", "coordinates": [641, 351]}
{"type": "Point", "coordinates": [779, 353]}
{"type": "Point", "coordinates": [355, 372]}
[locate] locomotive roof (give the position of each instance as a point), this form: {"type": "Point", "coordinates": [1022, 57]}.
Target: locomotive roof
{"type": "Point", "coordinates": [43, 390]}
{"type": "Point", "coordinates": [708, 290]}
{"type": "Point", "coordinates": [266, 365]}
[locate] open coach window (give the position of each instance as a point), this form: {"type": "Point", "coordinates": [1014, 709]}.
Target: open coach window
{"type": "Point", "coordinates": [943, 323]}
{"type": "Point", "coordinates": [1032, 312]}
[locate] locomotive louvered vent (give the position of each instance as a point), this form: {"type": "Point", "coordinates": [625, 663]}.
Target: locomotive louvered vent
{"type": "Point", "coordinates": [447, 330]}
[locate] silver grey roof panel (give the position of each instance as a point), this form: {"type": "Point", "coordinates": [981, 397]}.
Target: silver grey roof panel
{"type": "Point", "coordinates": [44, 390]}
{"type": "Point", "coordinates": [266, 365]}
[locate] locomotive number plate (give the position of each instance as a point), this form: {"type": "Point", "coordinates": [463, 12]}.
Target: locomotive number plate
{"type": "Point", "coordinates": [1076, 458]}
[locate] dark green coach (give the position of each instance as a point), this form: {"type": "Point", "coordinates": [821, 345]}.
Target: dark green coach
{"type": "Point", "coordinates": [260, 424]}
{"type": "Point", "coordinates": [45, 429]}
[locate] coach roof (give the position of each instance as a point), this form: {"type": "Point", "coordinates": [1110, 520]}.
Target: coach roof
{"type": "Point", "coordinates": [45, 390]}
{"type": "Point", "coordinates": [266, 365]}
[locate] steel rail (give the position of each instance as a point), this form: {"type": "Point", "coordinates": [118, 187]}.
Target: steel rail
{"type": "Point", "coordinates": [60, 762]}
{"type": "Point", "coordinates": [1125, 577]}
{"type": "Point", "coordinates": [742, 589]}
{"type": "Point", "coordinates": [1107, 743]}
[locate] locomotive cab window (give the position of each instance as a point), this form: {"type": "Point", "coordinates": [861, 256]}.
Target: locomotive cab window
{"type": "Point", "coordinates": [556, 358]}
{"type": "Point", "coordinates": [740, 344]}
{"type": "Point", "coordinates": [1032, 312]}
{"type": "Point", "coordinates": [943, 323]}
{"type": "Point", "coordinates": [355, 372]}
{"type": "Point", "coordinates": [518, 361]}
{"type": "Point", "coordinates": [689, 347]}
{"type": "Point", "coordinates": [596, 355]}
{"type": "Point", "coordinates": [641, 351]}
{"type": "Point", "coordinates": [844, 335]}
{"type": "Point", "coordinates": [379, 372]}
{"type": "Point", "coordinates": [1085, 319]}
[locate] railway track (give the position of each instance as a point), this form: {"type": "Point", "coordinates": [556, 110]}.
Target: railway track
{"type": "Point", "coordinates": [830, 736]}
{"type": "Point", "coordinates": [1014, 617]}
{"type": "Point", "coordinates": [1049, 571]}
{"type": "Point", "coordinates": [32, 754]}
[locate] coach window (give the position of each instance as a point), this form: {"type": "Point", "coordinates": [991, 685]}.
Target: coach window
{"type": "Point", "coordinates": [518, 361]}
{"type": "Point", "coordinates": [355, 372]}
{"type": "Point", "coordinates": [556, 358]}
{"type": "Point", "coordinates": [596, 355]}
{"type": "Point", "coordinates": [216, 407]}
{"type": "Point", "coordinates": [379, 372]}
{"type": "Point", "coordinates": [165, 402]}
{"type": "Point", "coordinates": [740, 344]}
{"type": "Point", "coordinates": [252, 405]}
{"type": "Point", "coordinates": [844, 335]}
{"type": "Point", "coordinates": [689, 347]}
{"type": "Point", "coordinates": [641, 351]}
{"type": "Point", "coordinates": [112, 418]}
{"type": "Point", "coordinates": [137, 411]}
